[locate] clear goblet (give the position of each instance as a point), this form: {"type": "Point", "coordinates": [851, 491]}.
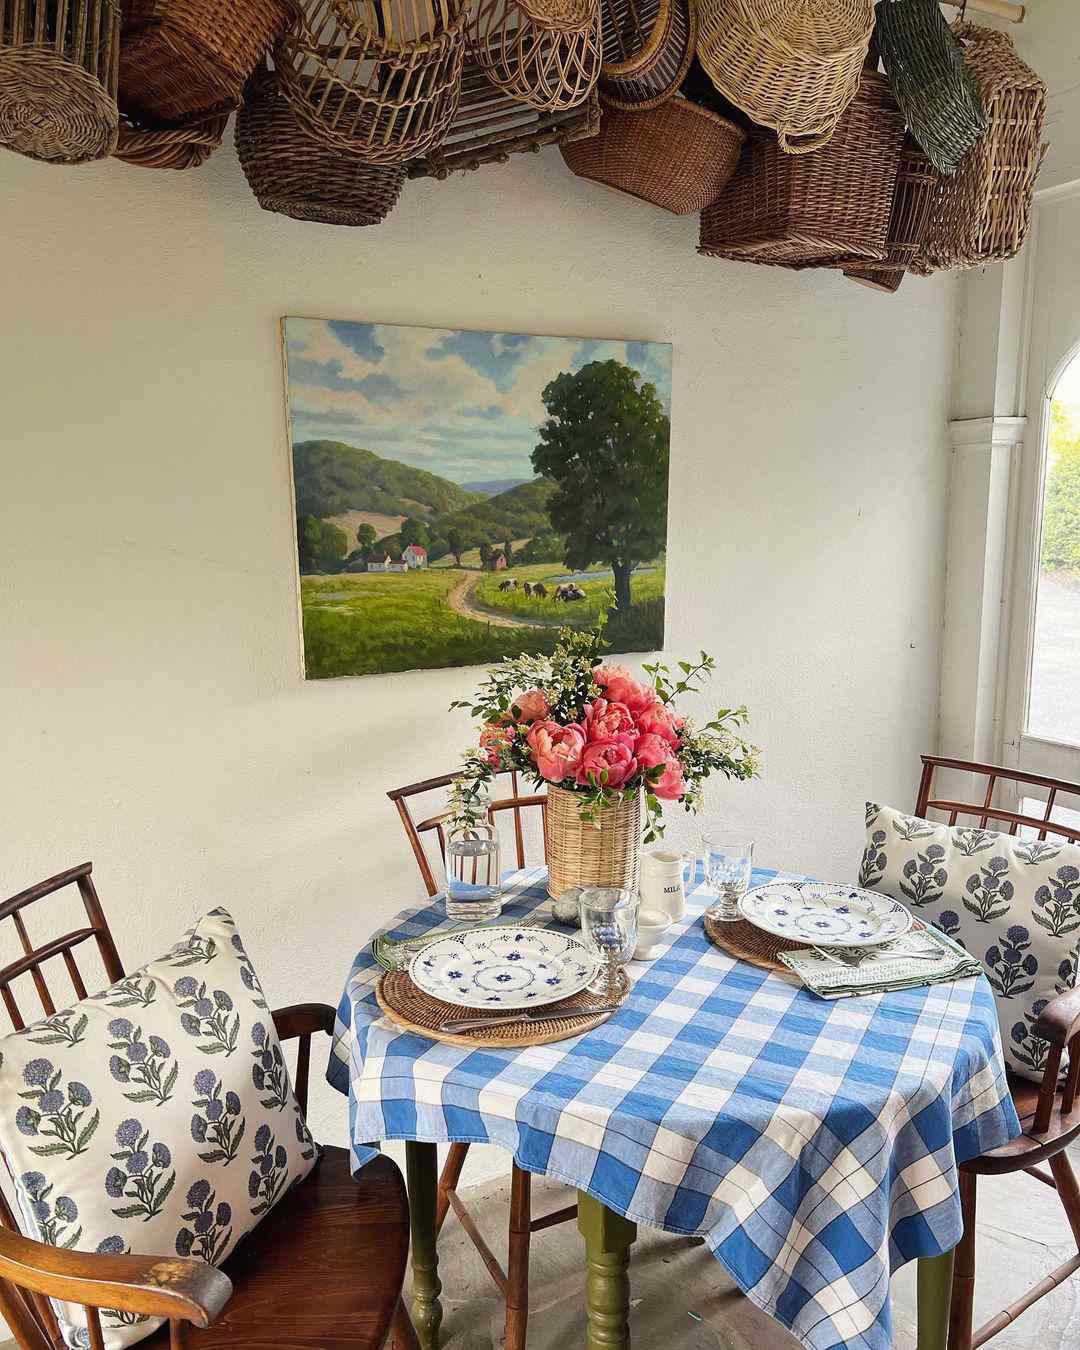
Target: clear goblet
{"type": "Point", "coordinates": [609, 921]}
{"type": "Point", "coordinates": [729, 862]}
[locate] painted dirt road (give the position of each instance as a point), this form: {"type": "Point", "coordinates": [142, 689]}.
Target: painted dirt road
{"type": "Point", "coordinates": [462, 600]}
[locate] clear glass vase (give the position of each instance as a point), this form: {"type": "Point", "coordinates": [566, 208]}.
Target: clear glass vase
{"type": "Point", "coordinates": [473, 883]}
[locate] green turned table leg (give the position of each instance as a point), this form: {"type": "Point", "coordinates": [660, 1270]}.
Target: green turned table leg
{"type": "Point", "coordinates": [607, 1287]}
{"type": "Point", "coordinates": [935, 1291]}
{"type": "Point", "coordinates": [421, 1174]}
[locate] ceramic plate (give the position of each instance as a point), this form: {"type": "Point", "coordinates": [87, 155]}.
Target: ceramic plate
{"type": "Point", "coordinates": [824, 914]}
{"type": "Point", "coordinates": [503, 967]}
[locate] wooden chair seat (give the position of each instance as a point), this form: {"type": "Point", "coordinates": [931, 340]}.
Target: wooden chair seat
{"type": "Point", "coordinates": [1029, 1148]}
{"type": "Point", "coordinates": [324, 1269]}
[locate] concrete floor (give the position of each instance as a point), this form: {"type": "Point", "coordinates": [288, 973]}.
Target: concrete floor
{"type": "Point", "coordinates": [1023, 1234]}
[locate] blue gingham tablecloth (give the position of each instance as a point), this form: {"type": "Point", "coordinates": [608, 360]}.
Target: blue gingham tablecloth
{"type": "Point", "coordinates": [813, 1144]}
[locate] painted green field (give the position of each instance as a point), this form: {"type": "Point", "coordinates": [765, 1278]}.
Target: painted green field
{"type": "Point", "coordinates": [579, 613]}
{"type": "Point", "coordinates": [365, 623]}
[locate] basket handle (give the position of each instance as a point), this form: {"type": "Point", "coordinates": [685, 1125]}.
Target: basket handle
{"type": "Point", "coordinates": [803, 143]}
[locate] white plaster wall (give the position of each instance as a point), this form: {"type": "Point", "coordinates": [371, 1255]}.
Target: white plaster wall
{"type": "Point", "coordinates": [152, 711]}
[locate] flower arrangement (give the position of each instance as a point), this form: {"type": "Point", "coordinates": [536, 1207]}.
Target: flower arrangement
{"type": "Point", "coordinates": [571, 721]}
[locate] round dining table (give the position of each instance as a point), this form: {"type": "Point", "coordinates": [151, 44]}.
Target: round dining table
{"type": "Point", "coordinates": [813, 1144]}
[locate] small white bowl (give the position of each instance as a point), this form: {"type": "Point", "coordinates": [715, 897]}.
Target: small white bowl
{"type": "Point", "coordinates": [652, 926]}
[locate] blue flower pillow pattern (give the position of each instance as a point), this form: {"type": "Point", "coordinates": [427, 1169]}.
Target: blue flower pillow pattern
{"type": "Point", "coordinates": [156, 1117]}
{"type": "Point", "coordinates": [1012, 902]}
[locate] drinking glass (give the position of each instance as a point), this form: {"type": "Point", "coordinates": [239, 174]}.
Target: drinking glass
{"type": "Point", "coordinates": [473, 883]}
{"type": "Point", "coordinates": [729, 860]}
{"type": "Point", "coordinates": [609, 921]}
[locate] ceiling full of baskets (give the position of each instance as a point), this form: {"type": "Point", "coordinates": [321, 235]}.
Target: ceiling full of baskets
{"type": "Point", "coordinates": [870, 139]}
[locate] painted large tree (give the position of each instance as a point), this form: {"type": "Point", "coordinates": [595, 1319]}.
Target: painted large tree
{"type": "Point", "coordinates": [605, 444]}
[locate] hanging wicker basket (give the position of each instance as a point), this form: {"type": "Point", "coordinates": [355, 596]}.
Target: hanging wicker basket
{"type": "Point", "coordinates": [648, 46]}
{"type": "Point", "coordinates": [490, 126]}
{"type": "Point", "coordinates": [544, 52]}
{"type": "Point", "coordinates": [295, 176]}
{"type": "Point", "coordinates": [184, 60]}
{"type": "Point", "coordinates": [58, 74]}
{"type": "Point", "coordinates": [925, 66]}
{"type": "Point", "coordinates": [378, 79]}
{"type": "Point", "coordinates": [917, 186]}
{"type": "Point", "coordinates": [676, 156]}
{"type": "Point", "coordinates": [170, 147]}
{"type": "Point", "coordinates": [581, 853]}
{"type": "Point", "coordinates": [984, 210]}
{"type": "Point", "coordinates": [792, 65]}
{"type": "Point", "coordinates": [813, 210]}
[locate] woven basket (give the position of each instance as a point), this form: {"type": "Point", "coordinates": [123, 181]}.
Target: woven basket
{"type": "Point", "coordinates": [813, 210]}
{"type": "Point", "coordinates": [792, 65]}
{"type": "Point", "coordinates": [58, 72]}
{"type": "Point", "coordinates": [648, 46]}
{"type": "Point", "coordinates": [490, 126]}
{"type": "Point", "coordinates": [182, 60]}
{"type": "Point", "coordinates": [378, 79]}
{"type": "Point", "coordinates": [677, 155]}
{"type": "Point", "coordinates": [580, 853]}
{"type": "Point", "coordinates": [925, 66]}
{"type": "Point", "coordinates": [917, 186]}
{"type": "Point", "coordinates": [170, 147]}
{"type": "Point", "coordinates": [984, 210]}
{"type": "Point", "coordinates": [544, 52]}
{"type": "Point", "coordinates": [293, 175]}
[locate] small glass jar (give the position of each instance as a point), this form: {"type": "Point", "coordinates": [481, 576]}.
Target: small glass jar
{"type": "Point", "coordinates": [473, 879]}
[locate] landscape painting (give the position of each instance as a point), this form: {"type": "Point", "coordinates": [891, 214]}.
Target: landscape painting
{"type": "Point", "coordinates": [461, 496]}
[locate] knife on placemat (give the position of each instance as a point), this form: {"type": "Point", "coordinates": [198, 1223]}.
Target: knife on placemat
{"type": "Point", "coordinates": [455, 1024]}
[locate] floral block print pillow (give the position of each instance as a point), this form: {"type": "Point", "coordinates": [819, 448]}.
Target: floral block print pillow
{"type": "Point", "coordinates": [1014, 903]}
{"type": "Point", "coordinates": [156, 1117]}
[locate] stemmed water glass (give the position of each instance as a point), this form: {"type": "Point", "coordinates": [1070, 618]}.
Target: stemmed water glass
{"type": "Point", "coordinates": [729, 861]}
{"type": "Point", "coordinates": [609, 921]}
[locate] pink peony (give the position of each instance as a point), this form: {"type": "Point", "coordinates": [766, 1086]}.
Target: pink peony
{"type": "Point", "coordinates": [602, 674]}
{"type": "Point", "coordinates": [652, 750]}
{"type": "Point", "coordinates": [557, 750]}
{"type": "Point", "coordinates": [603, 720]}
{"type": "Point", "coordinates": [609, 763]}
{"type": "Point", "coordinates": [659, 720]}
{"type": "Point", "coordinates": [495, 737]}
{"type": "Point", "coordinates": [621, 687]}
{"type": "Point", "coordinates": [671, 784]}
{"type": "Point", "coordinates": [532, 706]}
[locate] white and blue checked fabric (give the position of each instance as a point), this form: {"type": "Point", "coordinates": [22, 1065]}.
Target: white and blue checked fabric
{"type": "Point", "coordinates": [813, 1144]}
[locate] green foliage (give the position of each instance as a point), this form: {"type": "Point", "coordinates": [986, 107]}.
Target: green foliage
{"type": "Point", "coordinates": [641, 628]}
{"type": "Point", "coordinates": [332, 477]}
{"type": "Point", "coordinates": [485, 552]}
{"type": "Point", "coordinates": [508, 552]}
{"type": "Point", "coordinates": [456, 542]}
{"type": "Point", "coordinates": [366, 623]}
{"type": "Point", "coordinates": [518, 513]}
{"type": "Point", "coordinates": [366, 535]}
{"type": "Point", "coordinates": [414, 531]}
{"type": "Point", "coordinates": [606, 445]}
{"type": "Point", "coordinates": [1061, 518]}
{"type": "Point", "coordinates": [543, 547]}
{"type": "Point", "coordinates": [322, 547]}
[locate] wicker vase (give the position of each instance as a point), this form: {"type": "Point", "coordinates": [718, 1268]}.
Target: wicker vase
{"type": "Point", "coordinates": [581, 853]}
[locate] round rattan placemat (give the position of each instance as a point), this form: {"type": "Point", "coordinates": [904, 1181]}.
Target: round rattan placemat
{"type": "Point", "coordinates": [748, 943]}
{"type": "Point", "coordinates": [413, 1010]}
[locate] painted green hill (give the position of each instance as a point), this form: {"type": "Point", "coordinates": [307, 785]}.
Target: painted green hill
{"type": "Point", "coordinates": [518, 513]}
{"type": "Point", "coordinates": [332, 477]}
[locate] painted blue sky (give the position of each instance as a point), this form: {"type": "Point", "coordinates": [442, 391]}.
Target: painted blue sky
{"type": "Point", "coordinates": [461, 404]}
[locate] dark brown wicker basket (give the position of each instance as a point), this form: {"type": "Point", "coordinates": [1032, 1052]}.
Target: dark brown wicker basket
{"type": "Point", "coordinates": [182, 60]}
{"type": "Point", "coordinates": [58, 72]}
{"type": "Point", "coordinates": [676, 156]}
{"type": "Point", "coordinates": [925, 66]}
{"type": "Point", "coordinates": [812, 209]}
{"type": "Point", "coordinates": [170, 147]}
{"type": "Point", "coordinates": [378, 79]}
{"type": "Point", "coordinates": [490, 126]}
{"type": "Point", "coordinates": [293, 175]}
{"type": "Point", "coordinates": [917, 186]}
{"type": "Point", "coordinates": [648, 47]}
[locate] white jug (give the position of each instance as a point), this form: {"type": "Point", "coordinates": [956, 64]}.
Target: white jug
{"type": "Point", "coordinates": [661, 882]}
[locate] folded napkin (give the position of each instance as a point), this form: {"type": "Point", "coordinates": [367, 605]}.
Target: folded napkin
{"type": "Point", "coordinates": [397, 953]}
{"type": "Point", "coordinates": [901, 964]}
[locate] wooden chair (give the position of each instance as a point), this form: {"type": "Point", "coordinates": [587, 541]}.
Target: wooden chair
{"type": "Point", "coordinates": [323, 1271]}
{"type": "Point", "coordinates": [1050, 1116]}
{"type": "Point", "coordinates": [513, 1282]}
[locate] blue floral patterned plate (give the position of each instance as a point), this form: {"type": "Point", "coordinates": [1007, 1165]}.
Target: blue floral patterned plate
{"type": "Point", "coordinates": [503, 967]}
{"type": "Point", "coordinates": [824, 914]}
